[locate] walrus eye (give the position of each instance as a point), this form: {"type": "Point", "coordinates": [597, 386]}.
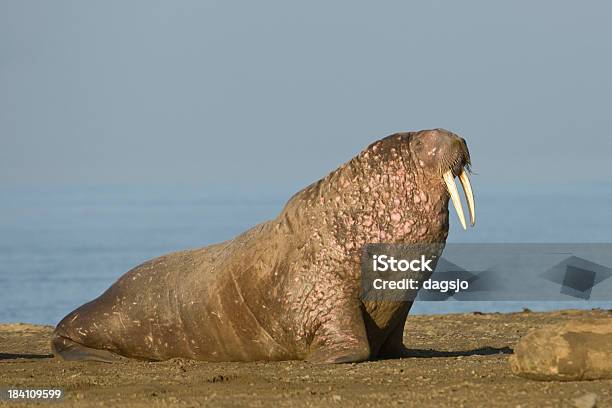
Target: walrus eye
{"type": "Point", "coordinates": [449, 179]}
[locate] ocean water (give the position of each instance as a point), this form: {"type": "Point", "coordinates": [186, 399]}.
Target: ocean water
{"type": "Point", "coordinates": [61, 247]}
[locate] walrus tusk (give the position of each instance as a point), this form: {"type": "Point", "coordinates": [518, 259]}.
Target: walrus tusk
{"type": "Point", "coordinates": [469, 195]}
{"type": "Point", "coordinates": [452, 190]}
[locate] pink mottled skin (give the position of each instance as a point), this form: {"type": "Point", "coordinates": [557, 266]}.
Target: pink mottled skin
{"type": "Point", "coordinates": [288, 288]}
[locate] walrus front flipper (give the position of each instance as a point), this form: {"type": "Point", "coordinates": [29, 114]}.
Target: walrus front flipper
{"type": "Point", "coordinates": [394, 347]}
{"type": "Point", "coordinates": [341, 338]}
{"type": "Point", "coordinates": [70, 350]}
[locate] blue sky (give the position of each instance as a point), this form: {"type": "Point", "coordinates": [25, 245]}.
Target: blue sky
{"type": "Point", "coordinates": [278, 93]}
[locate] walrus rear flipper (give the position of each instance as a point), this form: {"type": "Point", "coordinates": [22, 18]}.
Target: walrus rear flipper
{"type": "Point", "coordinates": [69, 350]}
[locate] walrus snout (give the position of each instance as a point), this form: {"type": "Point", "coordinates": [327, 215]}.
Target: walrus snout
{"type": "Point", "coordinates": [439, 150]}
{"type": "Point", "coordinates": [446, 155]}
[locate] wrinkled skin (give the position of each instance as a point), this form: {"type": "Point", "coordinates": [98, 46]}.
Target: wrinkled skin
{"type": "Point", "coordinates": [287, 288]}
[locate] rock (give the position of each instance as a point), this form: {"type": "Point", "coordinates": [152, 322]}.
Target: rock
{"type": "Point", "coordinates": [586, 401]}
{"type": "Point", "coordinates": [579, 349]}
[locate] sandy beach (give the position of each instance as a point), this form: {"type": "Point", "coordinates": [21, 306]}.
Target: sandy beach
{"type": "Point", "coordinates": [460, 360]}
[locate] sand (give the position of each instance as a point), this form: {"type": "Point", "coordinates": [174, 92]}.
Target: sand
{"type": "Point", "coordinates": [460, 360]}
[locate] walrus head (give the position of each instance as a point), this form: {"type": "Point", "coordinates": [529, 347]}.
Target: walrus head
{"type": "Point", "coordinates": [396, 190]}
{"type": "Point", "coordinates": [442, 155]}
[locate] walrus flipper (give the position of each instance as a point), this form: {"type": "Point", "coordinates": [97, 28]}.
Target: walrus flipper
{"type": "Point", "coordinates": [341, 338]}
{"type": "Point", "coordinates": [70, 350]}
{"type": "Point", "coordinates": [394, 347]}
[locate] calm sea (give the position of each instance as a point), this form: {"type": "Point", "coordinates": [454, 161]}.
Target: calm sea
{"type": "Point", "coordinates": [61, 247]}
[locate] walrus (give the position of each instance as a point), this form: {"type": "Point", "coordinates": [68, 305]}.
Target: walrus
{"type": "Point", "coordinates": [286, 289]}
